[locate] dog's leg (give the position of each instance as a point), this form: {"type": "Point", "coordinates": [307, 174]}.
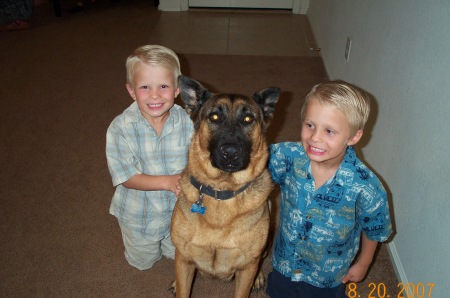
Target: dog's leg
{"type": "Point", "coordinates": [184, 274]}
{"type": "Point", "coordinates": [244, 280]}
{"type": "Point", "coordinates": [260, 282]}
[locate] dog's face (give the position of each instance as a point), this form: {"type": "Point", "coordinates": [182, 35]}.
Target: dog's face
{"type": "Point", "coordinates": [229, 128]}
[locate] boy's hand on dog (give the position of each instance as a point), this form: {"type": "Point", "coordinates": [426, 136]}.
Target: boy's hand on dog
{"type": "Point", "coordinates": [174, 184]}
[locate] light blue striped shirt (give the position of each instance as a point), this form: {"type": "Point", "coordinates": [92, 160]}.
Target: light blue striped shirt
{"type": "Point", "coordinates": [133, 147]}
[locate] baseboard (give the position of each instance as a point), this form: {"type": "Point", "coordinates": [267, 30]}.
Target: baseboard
{"type": "Point", "coordinates": [395, 259]}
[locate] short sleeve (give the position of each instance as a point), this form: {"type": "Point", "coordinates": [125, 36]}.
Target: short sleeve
{"type": "Point", "coordinates": [122, 163]}
{"type": "Point", "coordinates": [277, 167]}
{"type": "Point", "coordinates": [373, 212]}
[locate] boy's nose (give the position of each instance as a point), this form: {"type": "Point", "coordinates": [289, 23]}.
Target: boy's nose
{"type": "Point", "coordinates": [315, 136]}
{"type": "Point", "coordinates": [154, 94]}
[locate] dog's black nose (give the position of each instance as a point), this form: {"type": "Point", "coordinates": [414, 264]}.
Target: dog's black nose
{"type": "Point", "coordinates": [230, 152]}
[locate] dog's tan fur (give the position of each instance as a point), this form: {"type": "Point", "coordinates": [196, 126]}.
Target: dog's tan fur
{"type": "Point", "coordinates": [230, 238]}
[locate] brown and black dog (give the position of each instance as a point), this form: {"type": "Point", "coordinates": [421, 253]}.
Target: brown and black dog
{"type": "Point", "coordinates": [220, 223]}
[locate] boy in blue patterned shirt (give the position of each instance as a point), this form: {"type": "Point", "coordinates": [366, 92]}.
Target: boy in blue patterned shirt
{"type": "Point", "coordinates": [146, 150]}
{"type": "Point", "coordinates": [330, 201]}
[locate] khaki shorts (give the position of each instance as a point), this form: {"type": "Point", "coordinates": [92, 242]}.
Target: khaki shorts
{"type": "Point", "coordinates": [143, 253]}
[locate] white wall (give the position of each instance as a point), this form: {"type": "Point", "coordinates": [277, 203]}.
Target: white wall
{"type": "Point", "coordinates": [401, 55]}
{"type": "Point", "coordinates": [298, 6]}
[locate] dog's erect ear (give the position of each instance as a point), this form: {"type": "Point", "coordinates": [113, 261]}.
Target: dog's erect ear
{"type": "Point", "coordinates": [193, 94]}
{"type": "Point", "coordinates": [266, 99]}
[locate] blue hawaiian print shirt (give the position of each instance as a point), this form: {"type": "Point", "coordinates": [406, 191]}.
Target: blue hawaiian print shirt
{"type": "Point", "coordinates": [320, 229]}
{"type": "Point", "coordinates": [133, 147]}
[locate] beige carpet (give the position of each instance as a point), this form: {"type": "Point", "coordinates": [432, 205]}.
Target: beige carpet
{"type": "Point", "coordinates": [62, 82]}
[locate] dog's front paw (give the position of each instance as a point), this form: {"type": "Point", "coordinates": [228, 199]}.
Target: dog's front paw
{"type": "Point", "coordinates": [173, 289]}
{"type": "Point", "coordinates": [259, 283]}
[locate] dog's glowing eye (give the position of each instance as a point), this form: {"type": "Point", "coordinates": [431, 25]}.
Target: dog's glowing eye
{"type": "Point", "coordinates": [214, 117]}
{"type": "Point", "coordinates": [248, 119]}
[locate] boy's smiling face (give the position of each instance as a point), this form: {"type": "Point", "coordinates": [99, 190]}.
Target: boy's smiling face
{"type": "Point", "coordinates": [154, 89]}
{"type": "Point", "coordinates": [326, 134]}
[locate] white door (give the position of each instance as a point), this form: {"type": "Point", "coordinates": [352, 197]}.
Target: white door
{"type": "Point", "coordinates": [280, 4]}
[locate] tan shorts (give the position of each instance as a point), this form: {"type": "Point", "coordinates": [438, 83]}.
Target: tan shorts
{"type": "Point", "coordinates": [143, 253]}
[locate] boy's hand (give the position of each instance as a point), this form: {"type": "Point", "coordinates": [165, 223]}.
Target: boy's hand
{"type": "Point", "coordinates": [174, 184]}
{"type": "Point", "coordinates": [356, 273]}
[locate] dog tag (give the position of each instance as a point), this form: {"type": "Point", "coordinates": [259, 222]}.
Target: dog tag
{"type": "Point", "coordinates": [198, 207]}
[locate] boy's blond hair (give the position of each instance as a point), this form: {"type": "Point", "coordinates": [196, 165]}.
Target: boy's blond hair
{"type": "Point", "coordinates": [353, 102]}
{"type": "Point", "coordinates": [154, 55]}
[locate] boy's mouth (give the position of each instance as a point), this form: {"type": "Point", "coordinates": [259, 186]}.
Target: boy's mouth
{"type": "Point", "coordinates": [316, 150]}
{"type": "Point", "coordinates": [154, 105]}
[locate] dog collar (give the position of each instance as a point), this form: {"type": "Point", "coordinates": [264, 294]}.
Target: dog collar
{"type": "Point", "coordinates": [220, 195]}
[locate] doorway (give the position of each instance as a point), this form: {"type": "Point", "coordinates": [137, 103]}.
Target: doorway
{"type": "Point", "coordinates": [272, 4]}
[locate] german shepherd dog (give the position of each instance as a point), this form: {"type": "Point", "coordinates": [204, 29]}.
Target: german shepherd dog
{"type": "Point", "coordinates": [220, 223]}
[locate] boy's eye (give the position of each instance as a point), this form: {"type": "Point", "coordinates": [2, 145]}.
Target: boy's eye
{"type": "Point", "coordinates": [330, 132]}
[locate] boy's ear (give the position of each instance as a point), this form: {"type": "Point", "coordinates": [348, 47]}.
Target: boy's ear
{"type": "Point", "coordinates": [131, 91]}
{"type": "Point", "coordinates": [355, 139]}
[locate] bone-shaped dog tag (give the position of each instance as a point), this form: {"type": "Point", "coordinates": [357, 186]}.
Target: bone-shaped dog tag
{"type": "Point", "coordinates": [198, 207]}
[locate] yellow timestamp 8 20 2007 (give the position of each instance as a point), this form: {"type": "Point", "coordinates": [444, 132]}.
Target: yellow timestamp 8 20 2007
{"type": "Point", "coordinates": [378, 290]}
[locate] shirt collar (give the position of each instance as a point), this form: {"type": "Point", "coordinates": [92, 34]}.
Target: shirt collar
{"type": "Point", "coordinates": [134, 115]}
{"type": "Point", "coordinates": [349, 158]}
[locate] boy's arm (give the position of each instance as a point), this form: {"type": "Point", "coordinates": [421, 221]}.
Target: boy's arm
{"type": "Point", "coordinates": [148, 182]}
{"type": "Point", "coordinates": [357, 272]}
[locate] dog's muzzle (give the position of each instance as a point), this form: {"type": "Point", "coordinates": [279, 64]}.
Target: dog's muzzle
{"type": "Point", "coordinates": [230, 153]}
{"type": "Point", "coordinates": [230, 157]}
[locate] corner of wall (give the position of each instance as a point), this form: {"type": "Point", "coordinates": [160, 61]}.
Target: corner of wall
{"type": "Point", "coordinates": [300, 6]}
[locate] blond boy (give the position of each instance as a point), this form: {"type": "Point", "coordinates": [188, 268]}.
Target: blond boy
{"type": "Point", "coordinates": [146, 150]}
{"type": "Point", "coordinates": [329, 199]}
